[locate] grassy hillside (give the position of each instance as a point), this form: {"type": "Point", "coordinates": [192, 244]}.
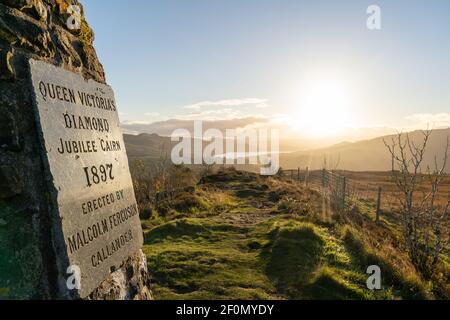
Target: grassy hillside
{"type": "Point", "coordinates": [146, 146]}
{"type": "Point", "coordinates": [240, 236]}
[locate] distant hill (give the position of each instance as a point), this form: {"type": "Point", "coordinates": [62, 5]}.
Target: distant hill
{"type": "Point", "coordinates": [146, 146]}
{"type": "Point", "coordinates": [366, 155]}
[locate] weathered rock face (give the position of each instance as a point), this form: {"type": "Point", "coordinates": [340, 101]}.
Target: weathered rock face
{"type": "Point", "coordinates": [37, 29]}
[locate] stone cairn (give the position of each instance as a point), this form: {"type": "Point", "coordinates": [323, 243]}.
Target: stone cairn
{"type": "Point", "coordinates": [38, 29]}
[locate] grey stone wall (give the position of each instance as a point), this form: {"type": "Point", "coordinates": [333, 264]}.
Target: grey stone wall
{"type": "Point", "coordinates": [37, 29]}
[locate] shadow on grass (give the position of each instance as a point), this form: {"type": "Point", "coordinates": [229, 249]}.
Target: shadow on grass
{"type": "Point", "coordinates": [195, 259]}
{"type": "Point", "coordinates": [326, 286]}
{"type": "Point", "coordinates": [360, 256]}
{"type": "Point", "coordinates": [179, 271]}
{"type": "Point", "coordinates": [191, 228]}
{"type": "Point", "coordinates": [293, 255]}
{"type": "Point", "coordinates": [248, 193]}
{"type": "Point", "coordinates": [296, 262]}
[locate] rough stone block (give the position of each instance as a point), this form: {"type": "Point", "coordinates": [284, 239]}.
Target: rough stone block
{"type": "Point", "coordinates": [6, 69]}
{"type": "Point", "coordinates": [23, 32]}
{"type": "Point", "coordinates": [9, 139]}
{"type": "Point", "coordinates": [10, 182]}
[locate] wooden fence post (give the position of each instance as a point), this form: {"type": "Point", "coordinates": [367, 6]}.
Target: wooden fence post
{"type": "Point", "coordinates": [306, 177]}
{"type": "Point", "coordinates": [378, 206]}
{"type": "Point", "coordinates": [323, 178]}
{"type": "Point", "coordinates": [298, 175]}
{"type": "Point", "coordinates": [344, 191]}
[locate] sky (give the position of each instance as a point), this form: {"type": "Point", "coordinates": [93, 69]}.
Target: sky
{"type": "Point", "coordinates": [312, 65]}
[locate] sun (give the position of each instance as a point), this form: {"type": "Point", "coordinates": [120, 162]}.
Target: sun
{"type": "Point", "coordinates": [324, 108]}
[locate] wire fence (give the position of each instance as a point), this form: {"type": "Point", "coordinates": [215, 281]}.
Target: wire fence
{"type": "Point", "coordinates": [339, 190]}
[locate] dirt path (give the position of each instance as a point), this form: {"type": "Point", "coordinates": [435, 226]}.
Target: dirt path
{"type": "Point", "coordinates": [245, 219]}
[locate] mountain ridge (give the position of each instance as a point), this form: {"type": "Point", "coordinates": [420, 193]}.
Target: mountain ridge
{"type": "Point", "coordinates": [363, 155]}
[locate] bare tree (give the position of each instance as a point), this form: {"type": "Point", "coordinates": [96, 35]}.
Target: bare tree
{"type": "Point", "coordinates": [151, 177]}
{"type": "Point", "coordinates": [158, 180]}
{"type": "Point", "coordinates": [424, 221]}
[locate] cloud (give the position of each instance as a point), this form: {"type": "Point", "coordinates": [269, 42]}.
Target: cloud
{"type": "Point", "coordinates": [135, 122]}
{"type": "Point", "coordinates": [228, 103]}
{"type": "Point", "coordinates": [152, 114]}
{"type": "Point", "coordinates": [431, 120]}
{"type": "Point", "coordinates": [165, 128]}
{"type": "Point", "coordinates": [211, 115]}
{"type": "Point", "coordinates": [262, 105]}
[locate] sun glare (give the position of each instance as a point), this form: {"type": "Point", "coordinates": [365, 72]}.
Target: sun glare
{"type": "Point", "coordinates": [325, 108]}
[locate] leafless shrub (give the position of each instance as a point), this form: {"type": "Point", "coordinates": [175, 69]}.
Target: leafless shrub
{"type": "Point", "coordinates": [424, 221]}
{"type": "Point", "coordinates": [330, 163]}
{"type": "Point", "coordinates": [159, 179]}
{"type": "Point", "coordinates": [206, 170]}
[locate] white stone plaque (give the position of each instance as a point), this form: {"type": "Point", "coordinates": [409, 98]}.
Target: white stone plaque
{"type": "Point", "coordinates": [96, 210]}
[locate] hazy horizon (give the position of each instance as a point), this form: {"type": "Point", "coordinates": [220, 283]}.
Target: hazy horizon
{"type": "Point", "coordinates": [287, 143]}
